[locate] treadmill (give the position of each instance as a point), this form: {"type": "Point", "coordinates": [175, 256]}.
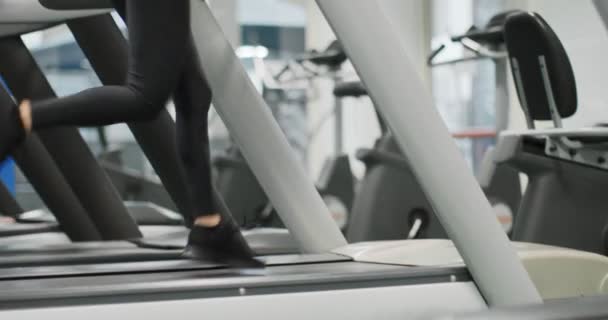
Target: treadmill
{"type": "Point", "coordinates": [69, 180]}
{"type": "Point", "coordinates": [410, 279]}
{"type": "Point", "coordinates": [161, 228]}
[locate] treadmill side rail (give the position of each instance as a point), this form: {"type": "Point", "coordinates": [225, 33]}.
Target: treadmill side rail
{"type": "Point", "coordinates": [556, 272]}
{"type": "Point", "coordinates": [389, 303]}
{"type": "Point", "coordinates": [297, 287]}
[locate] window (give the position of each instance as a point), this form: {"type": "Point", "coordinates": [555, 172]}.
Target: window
{"type": "Point", "coordinates": [465, 92]}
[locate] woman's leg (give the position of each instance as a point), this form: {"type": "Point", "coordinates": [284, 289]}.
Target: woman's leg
{"type": "Point", "coordinates": [158, 36]}
{"type": "Point", "coordinates": [192, 100]}
{"type": "Point", "coordinates": [214, 237]}
{"type": "Point", "coordinates": [158, 31]}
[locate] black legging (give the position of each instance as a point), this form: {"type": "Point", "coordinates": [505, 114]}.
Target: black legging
{"type": "Point", "coordinates": [162, 62]}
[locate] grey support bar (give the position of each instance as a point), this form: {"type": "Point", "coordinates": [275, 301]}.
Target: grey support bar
{"type": "Point", "coordinates": [381, 59]}
{"type": "Point", "coordinates": [251, 124]}
{"type": "Point", "coordinates": [42, 172]}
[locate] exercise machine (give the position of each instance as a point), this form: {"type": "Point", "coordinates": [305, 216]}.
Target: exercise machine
{"type": "Point", "coordinates": [563, 204]}
{"type": "Point", "coordinates": [390, 203]}
{"type": "Point", "coordinates": [333, 279]}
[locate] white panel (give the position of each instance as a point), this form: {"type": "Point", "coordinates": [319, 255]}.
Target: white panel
{"type": "Point", "coordinates": [402, 302]}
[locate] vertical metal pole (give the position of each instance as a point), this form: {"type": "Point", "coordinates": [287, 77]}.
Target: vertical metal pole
{"type": "Point", "coordinates": [106, 49]}
{"type": "Point", "coordinates": [339, 129]}
{"type": "Point", "coordinates": [523, 101]}
{"type": "Point", "coordinates": [69, 151]}
{"type": "Point", "coordinates": [555, 115]}
{"type": "Point", "coordinates": [263, 145]}
{"type": "Point", "coordinates": [502, 102]}
{"type": "Point", "coordinates": [338, 121]}
{"type": "Point", "coordinates": [380, 58]}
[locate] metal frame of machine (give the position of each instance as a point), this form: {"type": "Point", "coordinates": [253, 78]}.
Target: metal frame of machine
{"type": "Point", "coordinates": [497, 275]}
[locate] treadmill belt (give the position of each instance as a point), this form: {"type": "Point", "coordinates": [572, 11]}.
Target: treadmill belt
{"type": "Point", "coordinates": [75, 256]}
{"type": "Point", "coordinates": [102, 253]}
{"type": "Point", "coordinates": [175, 265]}
{"type": "Point", "coordinates": [169, 240]}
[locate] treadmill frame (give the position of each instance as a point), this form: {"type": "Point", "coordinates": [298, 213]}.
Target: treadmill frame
{"type": "Point", "coordinates": [385, 68]}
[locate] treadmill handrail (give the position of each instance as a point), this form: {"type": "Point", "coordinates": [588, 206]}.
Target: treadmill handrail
{"type": "Point", "coordinates": [386, 69]}
{"type": "Point", "coordinates": [32, 11]}
{"type": "Point", "coordinates": [77, 4]}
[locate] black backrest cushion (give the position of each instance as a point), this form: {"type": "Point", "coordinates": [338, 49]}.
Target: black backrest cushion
{"type": "Point", "coordinates": [332, 57]}
{"type": "Point", "coordinates": [528, 36]}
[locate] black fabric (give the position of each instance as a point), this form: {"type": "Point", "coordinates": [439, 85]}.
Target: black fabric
{"type": "Point", "coordinates": [527, 37]}
{"type": "Point", "coordinates": [333, 56]}
{"type": "Point", "coordinates": [12, 132]}
{"type": "Point", "coordinates": [350, 89]}
{"type": "Point", "coordinates": [162, 62]}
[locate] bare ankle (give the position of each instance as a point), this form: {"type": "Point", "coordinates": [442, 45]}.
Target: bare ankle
{"type": "Point", "coordinates": [25, 112]}
{"type": "Point", "coordinates": [7, 220]}
{"type": "Point", "coordinates": [208, 221]}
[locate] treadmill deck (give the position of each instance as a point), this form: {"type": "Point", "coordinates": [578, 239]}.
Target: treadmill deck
{"type": "Point", "coordinates": [178, 280]}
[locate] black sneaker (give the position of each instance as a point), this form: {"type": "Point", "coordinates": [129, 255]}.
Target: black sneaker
{"type": "Point", "coordinates": [12, 132]}
{"type": "Point", "coordinates": [223, 244]}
